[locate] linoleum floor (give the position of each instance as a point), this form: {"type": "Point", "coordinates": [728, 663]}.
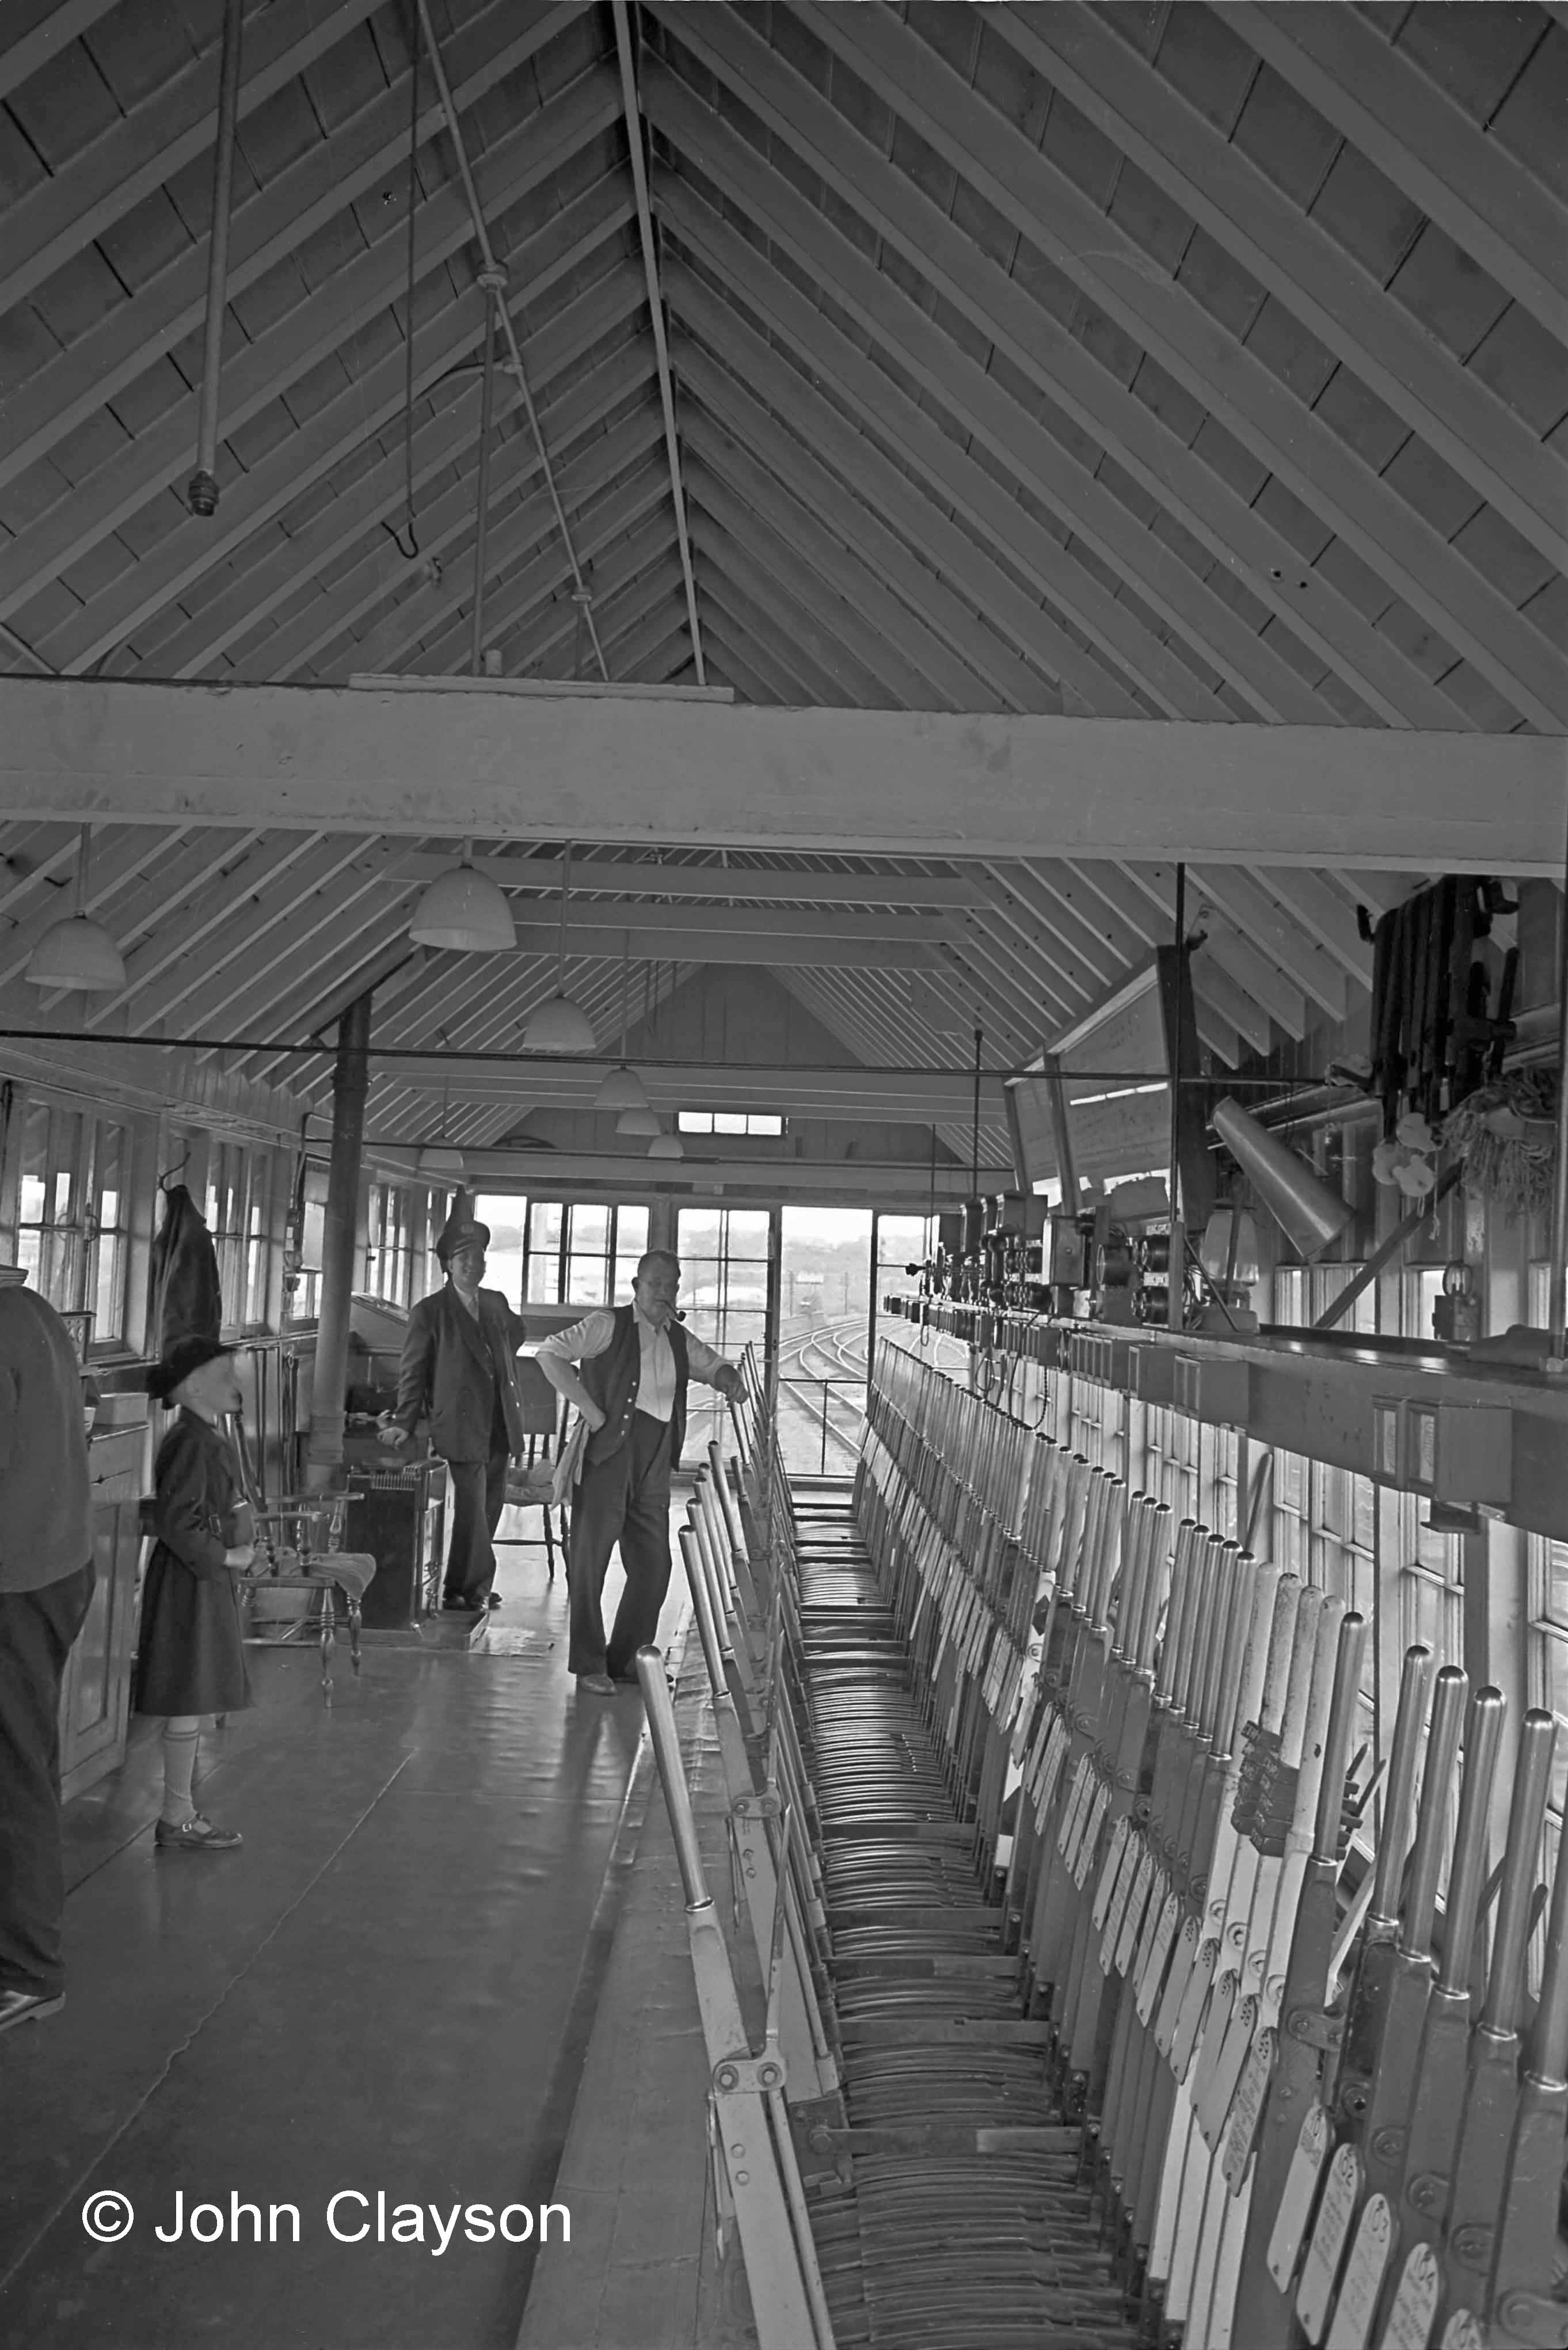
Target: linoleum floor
{"type": "Point", "coordinates": [386, 1992]}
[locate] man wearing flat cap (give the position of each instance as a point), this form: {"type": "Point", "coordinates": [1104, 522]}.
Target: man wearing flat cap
{"type": "Point", "coordinates": [459, 1371]}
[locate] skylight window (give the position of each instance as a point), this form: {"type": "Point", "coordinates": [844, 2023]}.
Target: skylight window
{"type": "Point", "coordinates": [754, 1122]}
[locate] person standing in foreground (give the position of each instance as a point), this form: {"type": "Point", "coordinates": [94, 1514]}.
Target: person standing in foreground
{"type": "Point", "coordinates": [630, 1390]}
{"type": "Point", "coordinates": [459, 1368]}
{"type": "Point", "coordinates": [190, 1650]}
{"type": "Point", "coordinates": [46, 1584]}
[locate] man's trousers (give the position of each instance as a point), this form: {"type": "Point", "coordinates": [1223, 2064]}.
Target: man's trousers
{"type": "Point", "coordinates": [37, 1629]}
{"type": "Point", "coordinates": [625, 1499]}
{"type": "Point", "coordinates": [478, 1498]}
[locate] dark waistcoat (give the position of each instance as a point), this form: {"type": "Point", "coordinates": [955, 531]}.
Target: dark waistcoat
{"type": "Point", "coordinates": [613, 1378]}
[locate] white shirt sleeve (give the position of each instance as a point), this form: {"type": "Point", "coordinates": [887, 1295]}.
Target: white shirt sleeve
{"type": "Point", "coordinates": [584, 1339]}
{"type": "Point", "coordinates": [701, 1360]}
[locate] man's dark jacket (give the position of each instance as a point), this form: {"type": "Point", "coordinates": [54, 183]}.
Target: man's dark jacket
{"type": "Point", "coordinates": [452, 1369]}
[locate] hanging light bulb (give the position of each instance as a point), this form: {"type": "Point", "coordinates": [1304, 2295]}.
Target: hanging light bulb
{"type": "Point", "coordinates": [75, 951]}
{"type": "Point", "coordinates": [666, 1146]}
{"type": "Point", "coordinates": [464, 910]}
{"type": "Point", "coordinates": [559, 1025]}
{"type": "Point", "coordinates": [621, 1087]}
{"type": "Point", "coordinates": [636, 1121]}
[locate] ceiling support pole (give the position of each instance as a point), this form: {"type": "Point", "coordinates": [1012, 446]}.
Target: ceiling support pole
{"type": "Point", "coordinates": [488, 268]}
{"type": "Point", "coordinates": [634, 137]}
{"type": "Point", "coordinates": [350, 1084]}
{"type": "Point", "coordinates": [202, 491]}
{"type": "Point", "coordinates": [494, 283]}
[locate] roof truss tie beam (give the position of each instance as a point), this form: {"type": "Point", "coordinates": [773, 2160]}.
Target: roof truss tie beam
{"type": "Point", "coordinates": [634, 137]}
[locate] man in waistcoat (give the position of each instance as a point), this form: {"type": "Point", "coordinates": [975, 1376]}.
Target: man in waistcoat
{"type": "Point", "coordinates": [627, 1372]}
{"type": "Point", "coordinates": [459, 1371]}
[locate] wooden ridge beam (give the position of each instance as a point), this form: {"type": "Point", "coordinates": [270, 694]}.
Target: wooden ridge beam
{"type": "Point", "coordinates": [709, 774]}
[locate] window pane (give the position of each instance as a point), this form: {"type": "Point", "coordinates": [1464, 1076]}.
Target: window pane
{"type": "Point", "coordinates": [694, 1121]}
{"type": "Point", "coordinates": [108, 1299]}
{"type": "Point", "coordinates": [35, 1163]}
{"type": "Point", "coordinates": [586, 1281]}
{"type": "Point", "coordinates": [729, 1122]}
{"type": "Point", "coordinates": [590, 1229]}
{"type": "Point", "coordinates": [545, 1219]}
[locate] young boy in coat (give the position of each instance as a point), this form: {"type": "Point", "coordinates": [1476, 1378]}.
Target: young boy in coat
{"type": "Point", "coordinates": [190, 1658]}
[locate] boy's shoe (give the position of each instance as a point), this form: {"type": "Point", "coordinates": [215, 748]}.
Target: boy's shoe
{"type": "Point", "coordinates": [197, 1833]}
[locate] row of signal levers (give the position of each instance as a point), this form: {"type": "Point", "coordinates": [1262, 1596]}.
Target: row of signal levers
{"type": "Point", "coordinates": [1107, 2044]}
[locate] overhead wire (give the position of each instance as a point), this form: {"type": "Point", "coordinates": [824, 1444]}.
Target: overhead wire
{"type": "Point", "coordinates": [491, 267]}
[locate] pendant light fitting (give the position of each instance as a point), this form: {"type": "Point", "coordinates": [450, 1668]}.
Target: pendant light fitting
{"type": "Point", "coordinates": [76, 952]}
{"type": "Point", "coordinates": [465, 911]}
{"type": "Point", "coordinates": [636, 1121]}
{"type": "Point", "coordinates": [559, 1025]}
{"type": "Point", "coordinates": [666, 1146]}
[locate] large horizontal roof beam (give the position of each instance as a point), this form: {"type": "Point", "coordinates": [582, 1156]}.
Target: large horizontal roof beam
{"type": "Point", "coordinates": [795, 1092]}
{"type": "Point", "coordinates": [865, 782]}
{"type": "Point", "coordinates": [756, 884]}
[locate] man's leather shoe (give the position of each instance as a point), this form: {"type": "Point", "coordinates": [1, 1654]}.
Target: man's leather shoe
{"type": "Point", "coordinates": [29, 2006]}
{"type": "Point", "coordinates": [456, 1605]}
{"type": "Point", "coordinates": [600, 1684]}
{"type": "Point", "coordinates": [492, 1598]}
